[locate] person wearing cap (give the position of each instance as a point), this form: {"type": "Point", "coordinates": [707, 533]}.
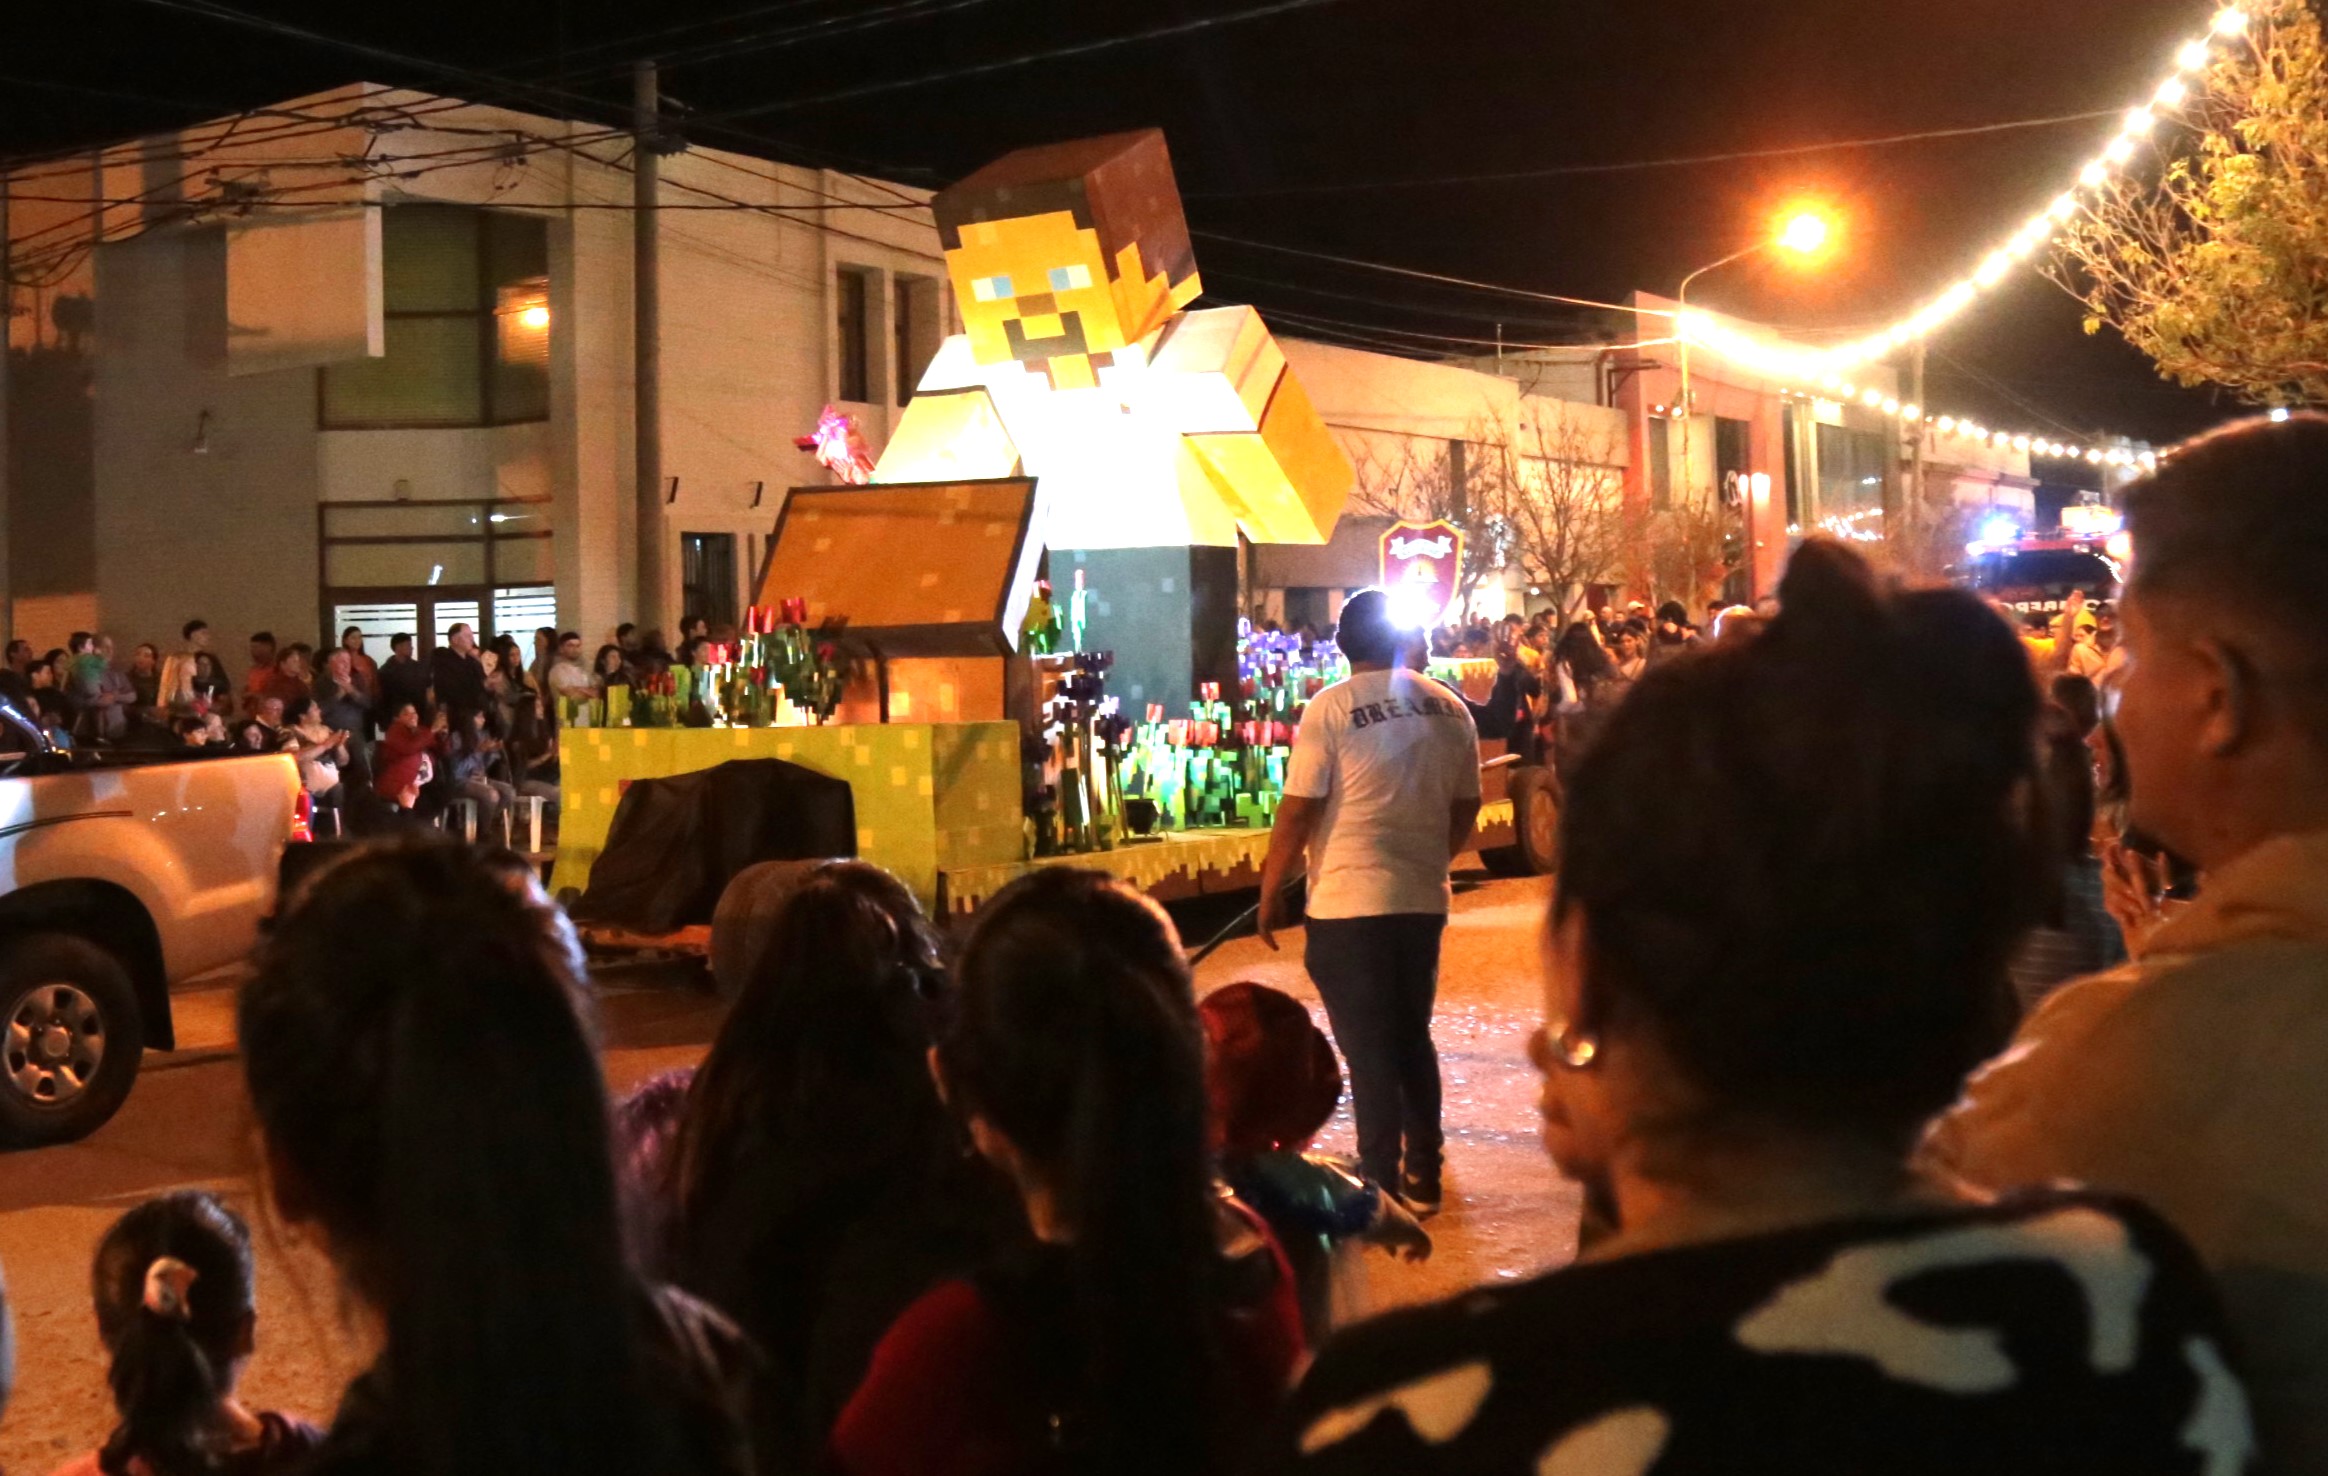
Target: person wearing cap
{"type": "Point", "coordinates": [1381, 793]}
{"type": "Point", "coordinates": [1672, 633]}
{"type": "Point", "coordinates": [2096, 654]}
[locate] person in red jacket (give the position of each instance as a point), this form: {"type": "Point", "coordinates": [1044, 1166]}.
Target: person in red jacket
{"type": "Point", "coordinates": [1147, 1325]}
{"type": "Point", "coordinates": [407, 758]}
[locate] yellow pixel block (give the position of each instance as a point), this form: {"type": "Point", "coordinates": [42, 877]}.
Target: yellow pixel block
{"type": "Point", "coordinates": [948, 436]}
{"type": "Point", "coordinates": [1288, 481]}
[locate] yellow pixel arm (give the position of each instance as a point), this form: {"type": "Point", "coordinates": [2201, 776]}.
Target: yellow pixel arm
{"type": "Point", "coordinates": [948, 436]}
{"type": "Point", "coordinates": [1287, 481]}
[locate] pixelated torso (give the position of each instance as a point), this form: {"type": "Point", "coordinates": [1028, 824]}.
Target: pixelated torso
{"type": "Point", "coordinates": [1111, 462]}
{"type": "Point", "coordinates": [1144, 425]}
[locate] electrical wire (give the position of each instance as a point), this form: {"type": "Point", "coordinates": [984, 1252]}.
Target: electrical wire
{"type": "Point", "coordinates": [1471, 282]}
{"type": "Point", "coordinates": [1632, 165]}
{"type": "Point", "coordinates": [1998, 386]}
{"type": "Point", "coordinates": [731, 48]}
{"type": "Point", "coordinates": [1008, 63]}
{"type": "Point", "coordinates": [494, 85]}
{"type": "Point", "coordinates": [1514, 344]}
{"type": "Point", "coordinates": [1421, 309]}
{"type": "Point", "coordinates": [646, 43]}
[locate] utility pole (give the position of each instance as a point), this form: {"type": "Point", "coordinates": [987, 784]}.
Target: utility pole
{"type": "Point", "coordinates": [647, 337]}
{"type": "Point", "coordinates": [1917, 511]}
{"type": "Point", "coordinates": [7, 355]}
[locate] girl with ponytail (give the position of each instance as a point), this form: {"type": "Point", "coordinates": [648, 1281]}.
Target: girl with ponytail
{"type": "Point", "coordinates": [176, 1309]}
{"type": "Point", "coordinates": [1143, 1324]}
{"type": "Point", "coordinates": [431, 1109]}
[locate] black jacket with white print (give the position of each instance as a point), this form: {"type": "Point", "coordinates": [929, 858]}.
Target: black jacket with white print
{"type": "Point", "coordinates": [2053, 1332]}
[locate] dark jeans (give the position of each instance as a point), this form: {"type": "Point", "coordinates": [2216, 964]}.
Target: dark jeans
{"type": "Point", "coordinates": [1379, 977]}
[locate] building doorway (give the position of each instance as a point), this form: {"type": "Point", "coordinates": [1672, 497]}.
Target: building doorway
{"type": "Point", "coordinates": [707, 577]}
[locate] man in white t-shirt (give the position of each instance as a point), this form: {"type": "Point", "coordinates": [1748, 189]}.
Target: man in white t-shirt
{"type": "Point", "coordinates": [1382, 792]}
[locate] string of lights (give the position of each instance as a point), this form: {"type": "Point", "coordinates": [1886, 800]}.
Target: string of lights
{"type": "Point", "coordinates": [1824, 367]}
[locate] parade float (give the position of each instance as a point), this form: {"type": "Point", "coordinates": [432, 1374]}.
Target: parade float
{"type": "Point", "coordinates": [1016, 634]}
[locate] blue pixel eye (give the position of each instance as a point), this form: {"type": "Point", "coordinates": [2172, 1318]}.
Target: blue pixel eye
{"type": "Point", "coordinates": [991, 289]}
{"type": "Point", "coordinates": [1070, 278]}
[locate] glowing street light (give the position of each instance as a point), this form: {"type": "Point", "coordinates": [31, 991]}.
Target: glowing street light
{"type": "Point", "coordinates": [1805, 233]}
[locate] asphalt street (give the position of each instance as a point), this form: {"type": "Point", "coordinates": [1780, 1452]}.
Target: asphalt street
{"type": "Point", "coordinates": [1508, 1215]}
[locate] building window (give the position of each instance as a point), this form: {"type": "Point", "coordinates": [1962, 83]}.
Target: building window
{"type": "Point", "coordinates": [707, 576]}
{"type": "Point", "coordinates": [916, 328]}
{"type": "Point", "coordinates": [467, 306]}
{"type": "Point", "coordinates": [1851, 472]}
{"type": "Point", "coordinates": [1733, 449]}
{"type": "Point", "coordinates": [1660, 463]}
{"type": "Point", "coordinates": [853, 295]}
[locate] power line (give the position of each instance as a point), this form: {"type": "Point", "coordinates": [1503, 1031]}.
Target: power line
{"type": "Point", "coordinates": [645, 43]}
{"type": "Point", "coordinates": [819, 30]}
{"type": "Point", "coordinates": [1441, 338]}
{"type": "Point", "coordinates": [504, 86]}
{"type": "Point", "coordinates": [1682, 162]}
{"type": "Point", "coordinates": [1420, 309]}
{"type": "Point", "coordinates": [1379, 266]}
{"type": "Point", "coordinates": [288, 125]}
{"type": "Point", "coordinates": [1999, 387]}
{"type": "Point", "coordinates": [1008, 63]}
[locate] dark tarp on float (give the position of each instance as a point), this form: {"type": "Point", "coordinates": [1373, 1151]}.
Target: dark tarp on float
{"type": "Point", "coordinates": [675, 842]}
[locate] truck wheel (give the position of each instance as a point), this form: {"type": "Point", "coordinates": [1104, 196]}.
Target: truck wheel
{"type": "Point", "coordinates": [1535, 849]}
{"type": "Point", "coordinates": [71, 1038]}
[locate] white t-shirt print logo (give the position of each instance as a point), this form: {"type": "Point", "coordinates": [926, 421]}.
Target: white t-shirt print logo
{"type": "Point", "coordinates": [1388, 753]}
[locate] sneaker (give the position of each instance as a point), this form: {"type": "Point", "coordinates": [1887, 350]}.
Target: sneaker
{"type": "Point", "coordinates": [1420, 1196]}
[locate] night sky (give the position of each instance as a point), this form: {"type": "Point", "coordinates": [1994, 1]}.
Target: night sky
{"type": "Point", "coordinates": [1293, 128]}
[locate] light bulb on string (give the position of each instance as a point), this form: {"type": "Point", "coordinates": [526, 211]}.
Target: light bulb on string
{"type": "Point", "coordinates": [1808, 232]}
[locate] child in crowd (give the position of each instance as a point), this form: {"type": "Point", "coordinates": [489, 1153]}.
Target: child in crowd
{"type": "Point", "coordinates": [176, 1308]}
{"type": "Point", "coordinates": [1273, 1082]}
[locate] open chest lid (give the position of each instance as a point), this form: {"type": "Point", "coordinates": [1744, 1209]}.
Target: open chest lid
{"type": "Point", "coordinates": [916, 568]}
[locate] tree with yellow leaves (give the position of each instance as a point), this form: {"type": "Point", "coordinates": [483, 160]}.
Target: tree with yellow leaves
{"type": "Point", "coordinates": [2219, 270]}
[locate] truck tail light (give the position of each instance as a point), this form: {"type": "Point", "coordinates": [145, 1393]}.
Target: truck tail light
{"type": "Point", "coordinates": [303, 816]}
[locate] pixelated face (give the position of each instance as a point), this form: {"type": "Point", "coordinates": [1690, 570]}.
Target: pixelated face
{"type": "Point", "coordinates": [1038, 289]}
{"type": "Point", "coordinates": [1034, 288]}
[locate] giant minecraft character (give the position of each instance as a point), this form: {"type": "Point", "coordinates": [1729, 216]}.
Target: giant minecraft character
{"type": "Point", "coordinates": [1146, 426]}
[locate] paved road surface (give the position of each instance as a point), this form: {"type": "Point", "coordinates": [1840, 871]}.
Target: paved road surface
{"type": "Point", "coordinates": [1508, 1215]}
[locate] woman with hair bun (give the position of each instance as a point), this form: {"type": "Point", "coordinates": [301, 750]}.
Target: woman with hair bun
{"type": "Point", "coordinates": [177, 1309]}
{"type": "Point", "coordinates": [1738, 1070]}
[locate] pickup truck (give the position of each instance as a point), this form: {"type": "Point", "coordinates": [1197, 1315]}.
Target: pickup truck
{"type": "Point", "coordinates": [121, 873]}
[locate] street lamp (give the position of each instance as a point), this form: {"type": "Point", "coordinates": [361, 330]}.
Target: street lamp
{"type": "Point", "coordinates": [1803, 234]}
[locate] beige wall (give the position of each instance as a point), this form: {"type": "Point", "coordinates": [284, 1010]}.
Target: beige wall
{"type": "Point", "coordinates": [748, 361]}
{"type": "Point", "coordinates": [227, 532]}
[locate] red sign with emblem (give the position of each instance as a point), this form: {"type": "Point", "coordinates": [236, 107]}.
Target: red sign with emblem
{"type": "Point", "coordinates": [1421, 566]}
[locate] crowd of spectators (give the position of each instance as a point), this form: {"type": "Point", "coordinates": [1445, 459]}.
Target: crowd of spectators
{"type": "Point", "coordinates": [379, 744]}
{"type": "Point", "coordinates": [1849, 1206]}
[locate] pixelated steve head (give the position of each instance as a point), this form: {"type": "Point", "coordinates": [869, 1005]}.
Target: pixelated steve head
{"type": "Point", "coordinates": [1068, 252]}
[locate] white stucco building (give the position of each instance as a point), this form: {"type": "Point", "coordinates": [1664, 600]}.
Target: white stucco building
{"type": "Point", "coordinates": [366, 357]}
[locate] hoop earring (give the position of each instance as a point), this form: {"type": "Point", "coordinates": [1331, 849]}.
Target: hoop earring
{"type": "Point", "coordinates": [1572, 1048]}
